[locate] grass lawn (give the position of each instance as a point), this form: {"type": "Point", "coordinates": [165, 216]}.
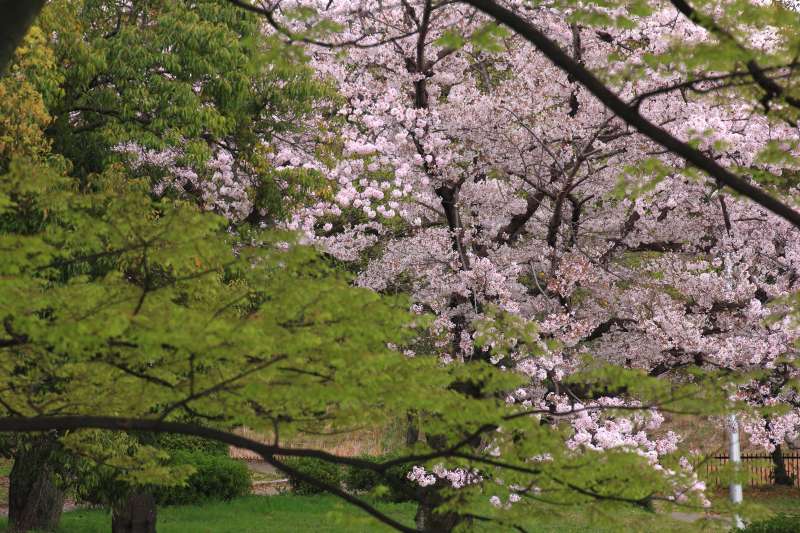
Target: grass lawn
{"type": "Point", "coordinates": [252, 514]}
{"type": "Point", "coordinates": [326, 514]}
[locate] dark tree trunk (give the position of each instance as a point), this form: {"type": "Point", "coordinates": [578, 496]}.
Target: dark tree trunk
{"type": "Point", "coordinates": [412, 429]}
{"type": "Point", "coordinates": [35, 501]}
{"type": "Point", "coordinates": [428, 520]}
{"type": "Point", "coordinates": [779, 473]}
{"type": "Point", "coordinates": [135, 514]}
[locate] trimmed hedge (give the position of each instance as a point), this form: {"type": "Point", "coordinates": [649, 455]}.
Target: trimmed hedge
{"type": "Point", "coordinates": [361, 479]}
{"type": "Point", "coordinates": [392, 486]}
{"type": "Point", "coordinates": [781, 523]}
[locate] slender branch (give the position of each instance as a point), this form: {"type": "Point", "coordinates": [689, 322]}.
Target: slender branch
{"type": "Point", "coordinates": [770, 87]}
{"type": "Point", "coordinates": [692, 84]}
{"type": "Point", "coordinates": [221, 385]}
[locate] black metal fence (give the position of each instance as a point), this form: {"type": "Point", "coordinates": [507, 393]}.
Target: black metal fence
{"type": "Point", "coordinates": [760, 467]}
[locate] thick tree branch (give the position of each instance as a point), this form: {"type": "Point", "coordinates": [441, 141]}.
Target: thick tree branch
{"type": "Point", "coordinates": [509, 233]}
{"type": "Point", "coordinates": [605, 327]}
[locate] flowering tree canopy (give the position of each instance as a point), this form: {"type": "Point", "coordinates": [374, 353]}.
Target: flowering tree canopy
{"type": "Point", "coordinates": [557, 183]}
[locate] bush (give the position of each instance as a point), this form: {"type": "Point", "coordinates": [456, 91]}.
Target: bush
{"type": "Point", "coordinates": [173, 442]}
{"type": "Point", "coordinates": [217, 477]}
{"type": "Point", "coordinates": [362, 479]}
{"type": "Point", "coordinates": [316, 468]}
{"type": "Point", "coordinates": [781, 523]}
{"type": "Point", "coordinates": [400, 489]}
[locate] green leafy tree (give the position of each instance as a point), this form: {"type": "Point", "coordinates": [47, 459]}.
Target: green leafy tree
{"type": "Point", "coordinates": [92, 77]}
{"type": "Point", "coordinates": [186, 79]}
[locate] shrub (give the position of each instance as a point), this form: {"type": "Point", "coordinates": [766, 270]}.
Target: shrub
{"type": "Point", "coordinates": [400, 489]}
{"type": "Point", "coordinates": [174, 443]}
{"type": "Point", "coordinates": [217, 477]}
{"type": "Point", "coordinates": [781, 523]}
{"type": "Point", "coordinates": [322, 470]}
{"type": "Point", "coordinates": [362, 479]}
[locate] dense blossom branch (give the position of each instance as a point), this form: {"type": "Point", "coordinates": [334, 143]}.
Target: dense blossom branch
{"type": "Point", "coordinates": [483, 179]}
{"type": "Point", "coordinates": [629, 114]}
{"type": "Point", "coordinates": [770, 87]}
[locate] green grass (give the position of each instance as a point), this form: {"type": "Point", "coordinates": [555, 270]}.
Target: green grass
{"type": "Point", "coordinates": [251, 514]}
{"type": "Point", "coordinates": [327, 514]}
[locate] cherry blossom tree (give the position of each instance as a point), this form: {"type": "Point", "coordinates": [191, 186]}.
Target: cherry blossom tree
{"type": "Point", "coordinates": [478, 176]}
